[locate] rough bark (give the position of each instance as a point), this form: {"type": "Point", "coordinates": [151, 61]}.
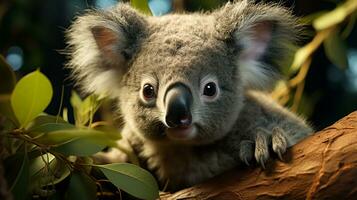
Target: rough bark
{"type": "Point", "coordinates": [323, 166]}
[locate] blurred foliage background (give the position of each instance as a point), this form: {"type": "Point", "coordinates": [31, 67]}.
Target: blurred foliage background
{"type": "Point", "coordinates": [32, 36]}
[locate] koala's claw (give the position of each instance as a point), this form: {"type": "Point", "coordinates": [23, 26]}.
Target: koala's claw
{"type": "Point", "coordinates": [261, 148]}
{"type": "Point", "coordinates": [264, 139]}
{"type": "Point", "coordinates": [279, 141]}
{"type": "Point", "coordinates": [246, 151]}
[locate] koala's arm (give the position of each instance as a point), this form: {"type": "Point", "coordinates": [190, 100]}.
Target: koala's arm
{"type": "Point", "coordinates": [263, 125]}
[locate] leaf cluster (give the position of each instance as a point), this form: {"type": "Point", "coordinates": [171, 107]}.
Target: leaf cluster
{"type": "Point", "coordinates": [45, 156]}
{"type": "Point", "coordinates": [331, 30]}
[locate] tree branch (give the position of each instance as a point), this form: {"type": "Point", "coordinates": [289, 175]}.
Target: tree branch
{"type": "Point", "coordinates": [323, 166]}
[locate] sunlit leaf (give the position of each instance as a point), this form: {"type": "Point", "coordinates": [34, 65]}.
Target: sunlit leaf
{"type": "Point", "coordinates": [132, 179]}
{"type": "Point", "coordinates": [303, 54]}
{"type": "Point", "coordinates": [81, 187]}
{"type": "Point", "coordinates": [335, 16]}
{"type": "Point", "coordinates": [141, 5]}
{"type": "Point", "coordinates": [76, 103]}
{"type": "Point", "coordinates": [31, 96]}
{"type": "Point", "coordinates": [300, 57]}
{"type": "Point", "coordinates": [62, 136]}
{"type": "Point", "coordinates": [7, 77]}
{"type": "Point", "coordinates": [84, 109]}
{"type": "Point", "coordinates": [89, 107]}
{"type": "Point", "coordinates": [336, 50]}
{"type": "Point", "coordinates": [311, 17]}
{"type": "Point", "coordinates": [17, 174]}
{"type": "Point", "coordinates": [65, 114]}
{"type": "Point", "coordinates": [80, 147]}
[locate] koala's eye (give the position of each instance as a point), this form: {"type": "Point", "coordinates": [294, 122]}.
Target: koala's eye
{"type": "Point", "coordinates": [148, 91]}
{"type": "Point", "coordinates": [210, 89]}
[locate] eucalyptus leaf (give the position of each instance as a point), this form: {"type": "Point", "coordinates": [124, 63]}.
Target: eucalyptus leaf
{"type": "Point", "coordinates": [141, 5]}
{"type": "Point", "coordinates": [111, 131]}
{"type": "Point", "coordinates": [336, 50]}
{"type": "Point", "coordinates": [79, 147]}
{"type": "Point", "coordinates": [40, 162]}
{"type": "Point", "coordinates": [76, 103]}
{"type": "Point", "coordinates": [31, 96]}
{"type": "Point", "coordinates": [47, 170]}
{"type": "Point", "coordinates": [89, 107]}
{"type": "Point", "coordinates": [44, 119]}
{"type": "Point", "coordinates": [81, 187]}
{"type": "Point", "coordinates": [49, 127]}
{"type": "Point", "coordinates": [84, 109]}
{"type": "Point", "coordinates": [62, 136]}
{"type": "Point", "coordinates": [7, 77]}
{"type": "Point", "coordinates": [132, 179]}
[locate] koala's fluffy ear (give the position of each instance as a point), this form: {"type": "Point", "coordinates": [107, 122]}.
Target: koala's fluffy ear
{"type": "Point", "coordinates": [262, 35]}
{"type": "Point", "coordinates": [101, 44]}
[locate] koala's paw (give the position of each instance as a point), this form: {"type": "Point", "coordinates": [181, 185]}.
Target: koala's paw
{"type": "Point", "coordinates": [263, 141]}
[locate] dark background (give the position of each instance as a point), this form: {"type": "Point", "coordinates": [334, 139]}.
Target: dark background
{"type": "Point", "coordinates": [32, 36]}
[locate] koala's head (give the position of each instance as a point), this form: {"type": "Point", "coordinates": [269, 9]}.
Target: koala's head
{"type": "Point", "coordinates": [180, 78]}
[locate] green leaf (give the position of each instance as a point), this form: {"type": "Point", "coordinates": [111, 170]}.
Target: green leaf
{"type": "Point", "coordinates": [49, 127]}
{"type": "Point", "coordinates": [47, 170]}
{"type": "Point", "coordinates": [40, 162]}
{"type": "Point", "coordinates": [79, 147]}
{"type": "Point", "coordinates": [7, 77]}
{"type": "Point", "coordinates": [17, 174]}
{"type": "Point", "coordinates": [63, 136]}
{"type": "Point", "coordinates": [44, 119]}
{"type": "Point", "coordinates": [336, 50]}
{"type": "Point", "coordinates": [31, 96]}
{"type": "Point", "coordinates": [132, 179]}
{"type": "Point", "coordinates": [81, 187]}
{"type": "Point", "coordinates": [111, 131]}
{"type": "Point", "coordinates": [76, 103]}
{"type": "Point", "coordinates": [141, 5]}
{"type": "Point", "coordinates": [84, 110]}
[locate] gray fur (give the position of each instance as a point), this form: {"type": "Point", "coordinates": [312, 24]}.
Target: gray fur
{"type": "Point", "coordinates": [236, 46]}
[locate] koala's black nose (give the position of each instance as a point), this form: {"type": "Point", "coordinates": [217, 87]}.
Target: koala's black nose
{"type": "Point", "coordinates": [178, 100]}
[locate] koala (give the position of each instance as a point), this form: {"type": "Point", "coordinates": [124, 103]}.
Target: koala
{"type": "Point", "coordinates": [192, 88]}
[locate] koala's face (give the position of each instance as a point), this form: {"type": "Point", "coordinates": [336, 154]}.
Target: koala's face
{"type": "Point", "coordinates": [179, 78]}
{"type": "Point", "coordinates": [182, 85]}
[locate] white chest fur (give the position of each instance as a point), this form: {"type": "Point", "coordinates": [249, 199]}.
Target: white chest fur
{"type": "Point", "coordinates": [184, 165]}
